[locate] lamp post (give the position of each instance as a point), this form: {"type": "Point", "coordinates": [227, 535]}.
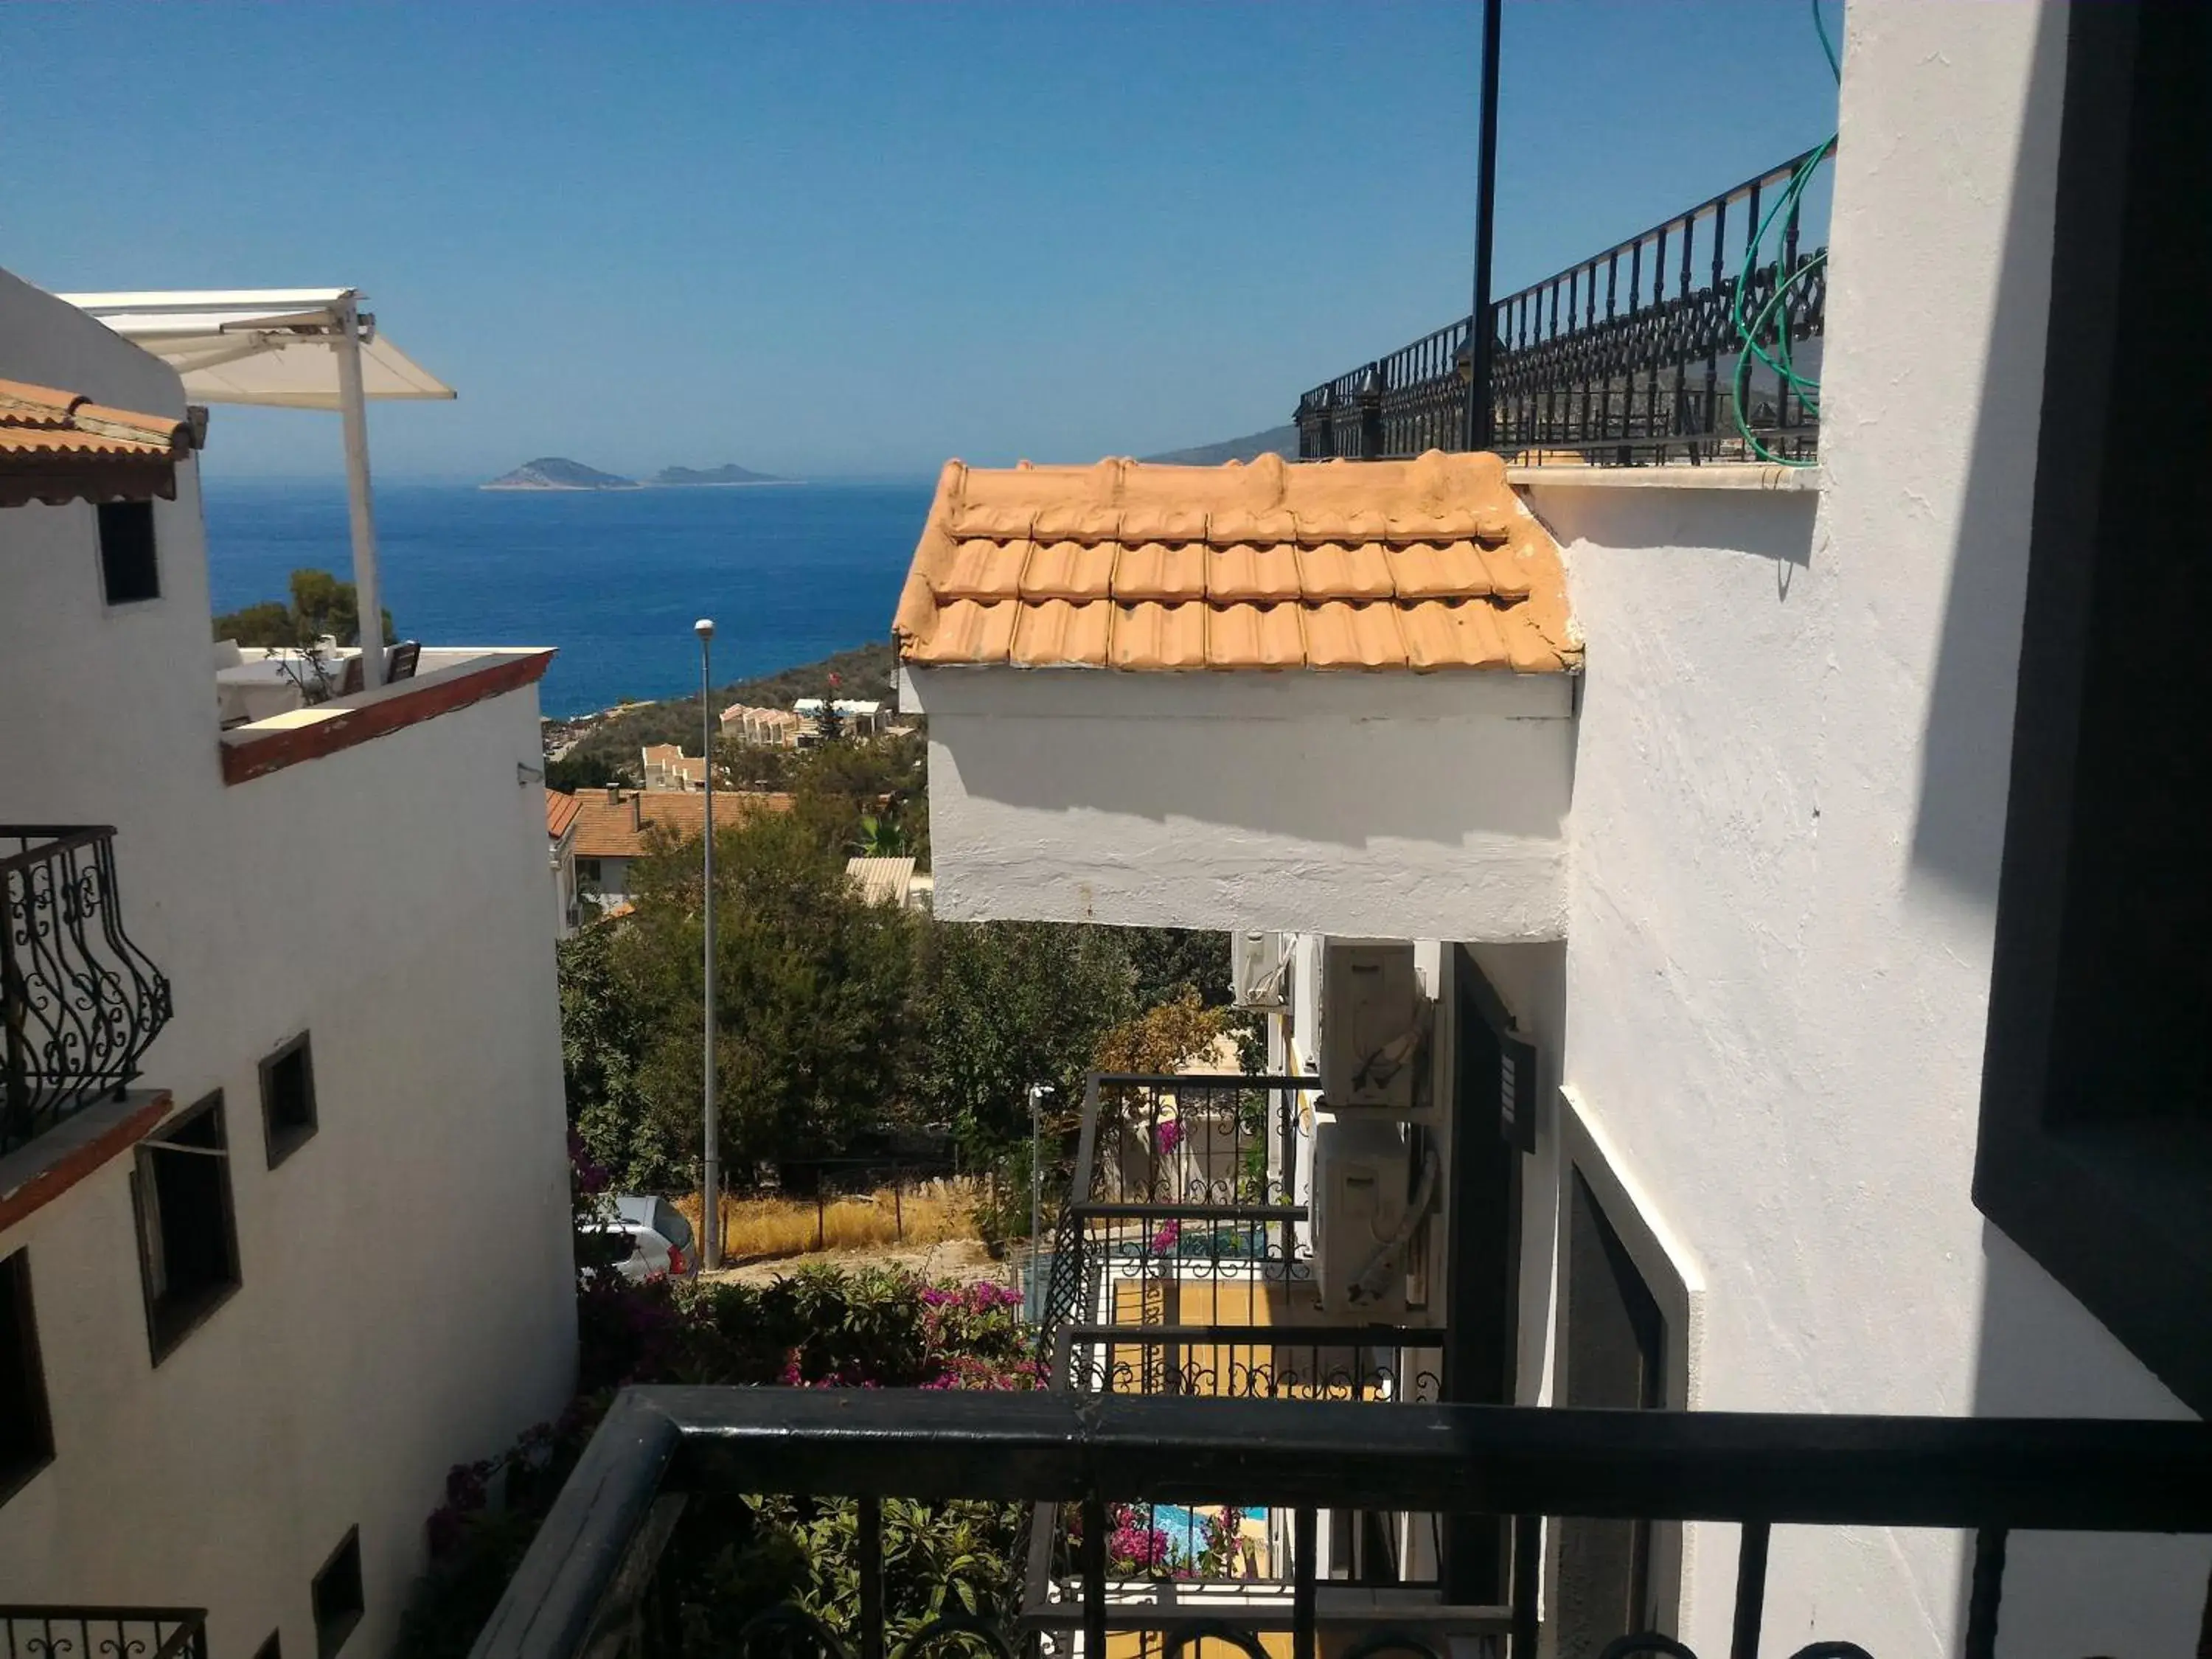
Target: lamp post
{"type": "Point", "coordinates": [1480, 336]}
{"type": "Point", "coordinates": [1037, 1093]}
{"type": "Point", "coordinates": [710, 1202]}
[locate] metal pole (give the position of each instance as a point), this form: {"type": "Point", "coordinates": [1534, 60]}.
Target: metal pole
{"type": "Point", "coordinates": [711, 1200]}
{"type": "Point", "coordinates": [1037, 1093]}
{"type": "Point", "coordinates": [1480, 333]}
{"type": "Point", "coordinates": [353, 410]}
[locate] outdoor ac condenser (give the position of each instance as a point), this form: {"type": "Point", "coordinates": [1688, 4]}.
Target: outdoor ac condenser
{"type": "Point", "coordinates": [1259, 968]}
{"type": "Point", "coordinates": [1373, 1026]}
{"type": "Point", "coordinates": [1359, 1204]}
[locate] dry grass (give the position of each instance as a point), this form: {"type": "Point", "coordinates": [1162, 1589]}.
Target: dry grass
{"type": "Point", "coordinates": [766, 1228]}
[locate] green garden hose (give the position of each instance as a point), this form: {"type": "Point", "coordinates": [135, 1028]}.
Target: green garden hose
{"type": "Point", "coordinates": [1751, 332]}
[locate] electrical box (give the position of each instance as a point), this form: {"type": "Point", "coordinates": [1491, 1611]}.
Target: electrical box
{"type": "Point", "coordinates": [1258, 970]}
{"type": "Point", "coordinates": [1359, 1207]}
{"type": "Point", "coordinates": [1373, 1026]}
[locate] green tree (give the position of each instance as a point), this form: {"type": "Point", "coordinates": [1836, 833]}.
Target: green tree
{"type": "Point", "coordinates": [605, 1036]}
{"type": "Point", "coordinates": [1168, 960]}
{"type": "Point", "coordinates": [573, 772]}
{"type": "Point", "coordinates": [1003, 1004]}
{"type": "Point", "coordinates": [320, 605]}
{"type": "Point", "coordinates": [811, 994]}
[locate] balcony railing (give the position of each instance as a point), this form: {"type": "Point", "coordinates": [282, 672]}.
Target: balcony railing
{"type": "Point", "coordinates": [1633, 355]}
{"type": "Point", "coordinates": [79, 1002]}
{"type": "Point", "coordinates": [39, 1632]}
{"type": "Point", "coordinates": [602, 1579]}
{"type": "Point", "coordinates": [1181, 1208]}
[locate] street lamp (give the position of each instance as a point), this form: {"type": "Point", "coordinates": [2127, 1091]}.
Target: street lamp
{"type": "Point", "coordinates": [1032, 1302]}
{"type": "Point", "coordinates": [710, 1202]}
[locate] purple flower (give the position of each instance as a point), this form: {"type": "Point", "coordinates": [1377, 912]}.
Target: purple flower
{"type": "Point", "coordinates": [1167, 1136]}
{"type": "Point", "coordinates": [1166, 1238]}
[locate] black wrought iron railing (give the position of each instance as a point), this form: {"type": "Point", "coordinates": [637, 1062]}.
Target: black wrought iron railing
{"type": "Point", "coordinates": [1182, 1204]}
{"type": "Point", "coordinates": [58, 1632]}
{"type": "Point", "coordinates": [1629, 356]}
{"type": "Point", "coordinates": [79, 1002]}
{"type": "Point", "coordinates": [602, 1578]}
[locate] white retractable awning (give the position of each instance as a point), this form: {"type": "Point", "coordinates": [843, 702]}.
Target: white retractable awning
{"type": "Point", "coordinates": [268, 346]}
{"type": "Point", "coordinates": [283, 348]}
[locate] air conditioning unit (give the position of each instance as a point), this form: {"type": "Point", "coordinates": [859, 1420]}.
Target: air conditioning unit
{"type": "Point", "coordinates": [1259, 970]}
{"type": "Point", "coordinates": [1359, 1207]}
{"type": "Point", "coordinates": [1373, 1026]}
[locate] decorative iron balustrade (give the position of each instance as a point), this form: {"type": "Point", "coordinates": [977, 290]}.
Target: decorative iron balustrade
{"type": "Point", "coordinates": [41, 1632]}
{"type": "Point", "coordinates": [1389, 1364]}
{"type": "Point", "coordinates": [79, 1002]}
{"type": "Point", "coordinates": [1180, 1206]}
{"type": "Point", "coordinates": [1629, 356]}
{"type": "Point", "coordinates": [597, 1580]}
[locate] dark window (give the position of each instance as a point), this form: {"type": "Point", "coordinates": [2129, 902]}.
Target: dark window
{"type": "Point", "coordinates": [187, 1236]}
{"type": "Point", "coordinates": [338, 1597]}
{"type": "Point", "coordinates": [26, 1438]}
{"type": "Point", "coordinates": [2095, 1153]}
{"type": "Point", "coordinates": [588, 870]}
{"type": "Point", "coordinates": [287, 1098]}
{"type": "Point", "coordinates": [128, 569]}
{"type": "Point", "coordinates": [1615, 1344]}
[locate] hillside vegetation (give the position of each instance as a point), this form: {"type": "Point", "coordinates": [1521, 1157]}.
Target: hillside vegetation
{"type": "Point", "coordinates": [864, 672]}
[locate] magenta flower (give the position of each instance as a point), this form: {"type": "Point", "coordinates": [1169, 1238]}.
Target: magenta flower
{"type": "Point", "coordinates": [1167, 1136]}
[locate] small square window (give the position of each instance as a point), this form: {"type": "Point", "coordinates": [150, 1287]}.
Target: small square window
{"type": "Point", "coordinates": [338, 1597]}
{"type": "Point", "coordinates": [26, 1438]}
{"type": "Point", "coordinates": [287, 1098]}
{"type": "Point", "coordinates": [128, 569]}
{"type": "Point", "coordinates": [188, 1234]}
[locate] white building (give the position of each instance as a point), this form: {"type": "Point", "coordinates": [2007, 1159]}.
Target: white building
{"type": "Point", "coordinates": [253, 1308]}
{"type": "Point", "coordinates": [1827, 863]}
{"type": "Point", "coordinates": [667, 767]}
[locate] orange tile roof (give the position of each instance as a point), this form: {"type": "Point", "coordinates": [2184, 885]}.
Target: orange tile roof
{"type": "Point", "coordinates": [59, 446]}
{"type": "Point", "coordinates": [1426, 564]}
{"type": "Point", "coordinates": [612, 824]}
{"type": "Point", "coordinates": [561, 812]}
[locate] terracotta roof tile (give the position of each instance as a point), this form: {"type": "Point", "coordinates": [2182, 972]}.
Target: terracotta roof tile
{"type": "Point", "coordinates": [1150, 635]}
{"type": "Point", "coordinates": [1429, 564]}
{"type": "Point", "coordinates": [1462, 634]}
{"type": "Point", "coordinates": [1341, 570]}
{"type": "Point", "coordinates": [1070, 570]}
{"type": "Point", "coordinates": [969, 632]}
{"type": "Point", "coordinates": [1432, 570]}
{"type": "Point", "coordinates": [1160, 570]}
{"type": "Point", "coordinates": [622, 824]}
{"type": "Point", "coordinates": [59, 445]}
{"type": "Point", "coordinates": [1342, 635]}
{"type": "Point", "coordinates": [984, 571]}
{"type": "Point", "coordinates": [1255, 636]}
{"type": "Point", "coordinates": [1255, 575]}
{"type": "Point", "coordinates": [1058, 634]}
{"type": "Point", "coordinates": [561, 812]}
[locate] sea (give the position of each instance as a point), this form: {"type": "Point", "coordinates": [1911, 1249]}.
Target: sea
{"type": "Point", "coordinates": [614, 579]}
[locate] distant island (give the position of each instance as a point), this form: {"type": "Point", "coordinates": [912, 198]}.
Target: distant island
{"type": "Point", "coordinates": [693, 477]}
{"type": "Point", "coordinates": [558, 472]}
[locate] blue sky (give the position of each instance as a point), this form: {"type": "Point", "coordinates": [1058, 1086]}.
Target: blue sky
{"type": "Point", "coordinates": [826, 239]}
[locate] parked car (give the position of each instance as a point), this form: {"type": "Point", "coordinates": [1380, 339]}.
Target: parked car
{"type": "Point", "coordinates": [642, 1236]}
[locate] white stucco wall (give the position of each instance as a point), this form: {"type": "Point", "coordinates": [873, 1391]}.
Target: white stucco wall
{"type": "Point", "coordinates": [1788, 817]}
{"type": "Point", "coordinates": [1384, 806]}
{"type": "Point", "coordinates": [405, 1300]}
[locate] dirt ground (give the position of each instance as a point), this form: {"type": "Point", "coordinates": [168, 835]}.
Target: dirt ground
{"type": "Point", "coordinates": [960, 1261]}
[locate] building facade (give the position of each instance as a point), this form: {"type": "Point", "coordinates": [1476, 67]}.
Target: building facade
{"type": "Point", "coordinates": [317, 1251]}
{"type": "Point", "coordinates": [1737, 885]}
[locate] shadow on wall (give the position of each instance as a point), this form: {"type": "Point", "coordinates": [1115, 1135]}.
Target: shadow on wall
{"type": "Point", "coordinates": [2070, 1595]}
{"type": "Point", "coordinates": [1342, 782]}
{"type": "Point", "coordinates": [1965, 751]}
{"type": "Point", "coordinates": [2039, 1352]}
